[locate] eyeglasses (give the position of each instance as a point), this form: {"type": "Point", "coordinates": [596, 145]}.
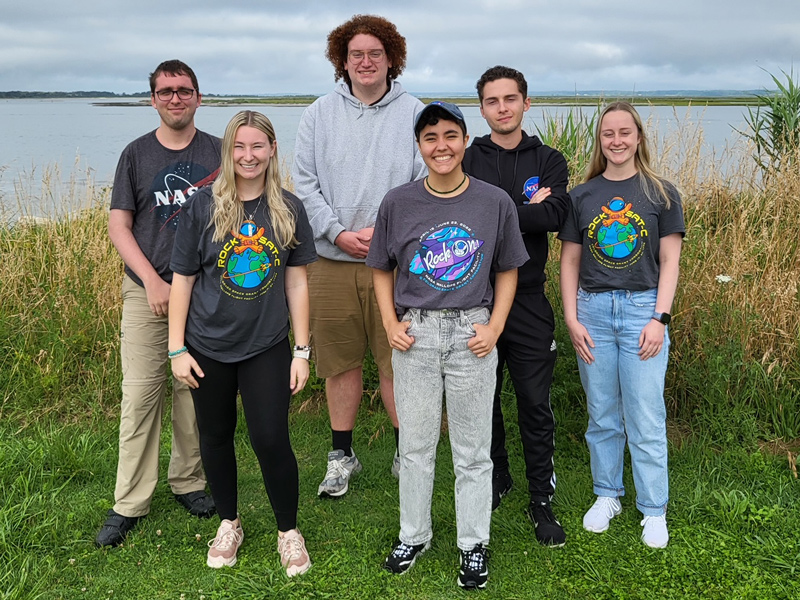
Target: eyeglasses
{"type": "Point", "coordinates": [356, 56]}
{"type": "Point", "coordinates": [167, 95]}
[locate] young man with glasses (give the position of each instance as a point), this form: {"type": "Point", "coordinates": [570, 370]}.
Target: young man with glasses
{"type": "Point", "coordinates": [353, 145]}
{"type": "Point", "coordinates": [535, 176]}
{"type": "Point", "coordinates": [156, 174]}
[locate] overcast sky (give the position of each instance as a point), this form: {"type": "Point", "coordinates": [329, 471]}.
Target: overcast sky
{"type": "Point", "coordinates": [277, 46]}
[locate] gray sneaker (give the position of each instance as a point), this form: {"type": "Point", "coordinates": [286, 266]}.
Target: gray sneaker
{"type": "Point", "coordinates": [396, 465]}
{"type": "Point", "coordinates": [337, 478]}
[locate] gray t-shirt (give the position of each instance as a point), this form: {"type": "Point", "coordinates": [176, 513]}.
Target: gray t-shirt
{"type": "Point", "coordinates": [445, 248]}
{"type": "Point", "coordinates": [238, 307]}
{"type": "Point", "coordinates": [620, 231]}
{"type": "Point", "coordinates": [154, 182]}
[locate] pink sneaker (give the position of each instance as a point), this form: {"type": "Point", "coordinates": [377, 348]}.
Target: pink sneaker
{"type": "Point", "coordinates": [294, 556]}
{"type": "Point", "coordinates": [222, 549]}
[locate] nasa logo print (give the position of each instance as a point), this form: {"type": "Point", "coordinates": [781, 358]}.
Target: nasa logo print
{"type": "Point", "coordinates": [531, 187]}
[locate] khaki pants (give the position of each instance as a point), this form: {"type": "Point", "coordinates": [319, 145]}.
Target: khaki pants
{"type": "Point", "coordinates": [143, 344]}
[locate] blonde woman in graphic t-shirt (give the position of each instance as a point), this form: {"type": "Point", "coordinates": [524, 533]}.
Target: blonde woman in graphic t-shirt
{"type": "Point", "coordinates": [621, 245]}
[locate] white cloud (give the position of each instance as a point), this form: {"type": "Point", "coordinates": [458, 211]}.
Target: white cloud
{"type": "Point", "coordinates": [242, 46]}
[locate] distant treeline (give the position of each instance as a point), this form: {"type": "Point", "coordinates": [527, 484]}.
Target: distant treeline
{"type": "Point", "coordinates": [89, 94]}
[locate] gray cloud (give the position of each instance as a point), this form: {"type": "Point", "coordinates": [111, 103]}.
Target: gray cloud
{"type": "Point", "coordinates": [277, 47]}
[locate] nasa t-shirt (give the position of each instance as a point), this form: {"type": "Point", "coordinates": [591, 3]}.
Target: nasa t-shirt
{"type": "Point", "coordinates": [238, 307]}
{"type": "Point", "coordinates": [445, 248]}
{"type": "Point", "coordinates": [154, 182]}
{"type": "Point", "coordinates": [619, 229]}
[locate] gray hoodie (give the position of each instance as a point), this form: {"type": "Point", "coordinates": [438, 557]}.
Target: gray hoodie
{"type": "Point", "coordinates": [348, 155]}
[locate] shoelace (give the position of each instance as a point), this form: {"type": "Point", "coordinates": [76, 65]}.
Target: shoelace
{"type": "Point", "coordinates": [606, 505]}
{"type": "Point", "coordinates": [336, 469]}
{"type": "Point", "coordinates": [646, 520]}
{"type": "Point", "coordinates": [474, 560]}
{"type": "Point", "coordinates": [290, 548]}
{"type": "Point", "coordinates": [402, 550]}
{"type": "Point", "coordinates": [226, 540]}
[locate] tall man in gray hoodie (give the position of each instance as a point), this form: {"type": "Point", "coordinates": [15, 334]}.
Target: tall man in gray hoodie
{"type": "Point", "coordinates": [353, 145]}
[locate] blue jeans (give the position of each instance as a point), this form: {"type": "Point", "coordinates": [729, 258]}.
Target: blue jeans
{"type": "Point", "coordinates": [625, 395]}
{"type": "Point", "coordinates": [440, 361]}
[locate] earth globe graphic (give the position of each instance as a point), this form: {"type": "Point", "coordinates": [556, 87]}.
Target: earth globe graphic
{"type": "Point", "coordinates": [248, 269]}
{"type": "Point", "coordinates": [617, 240]}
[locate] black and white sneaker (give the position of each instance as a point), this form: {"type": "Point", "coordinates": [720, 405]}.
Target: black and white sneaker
{"type": "Point", "coordinates": [501, 485]}
{"type": "Point", "coordinates": [474, 571]}
{"type": "Point", "coordinates": [402, 556]}
{"type": "Point", "coordinates": [548, 530]}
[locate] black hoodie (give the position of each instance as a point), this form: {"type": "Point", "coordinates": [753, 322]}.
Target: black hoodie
{"type": "Point", "coordinates": [512, 170]}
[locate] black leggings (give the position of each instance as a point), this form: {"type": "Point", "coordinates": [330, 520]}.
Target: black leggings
{"type": "Point", "coordinates": [263, 382]}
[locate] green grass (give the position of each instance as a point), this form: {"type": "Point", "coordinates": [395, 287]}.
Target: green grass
{"type": "Point", "coordinates": [733, 519]}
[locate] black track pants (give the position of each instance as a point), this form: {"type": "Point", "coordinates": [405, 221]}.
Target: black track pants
{"type": "Point", "coordinates": [527, 347]}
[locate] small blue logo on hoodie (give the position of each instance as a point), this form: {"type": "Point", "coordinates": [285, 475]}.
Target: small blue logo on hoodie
{"type": "Point", "coordinates": [531, 187]}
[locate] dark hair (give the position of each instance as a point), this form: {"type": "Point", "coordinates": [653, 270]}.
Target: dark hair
{"type": "Point", "coordinates": [432, 115]}
{"type": "Point", "coordinates": [173, 67]}
{"type": "Point", "coordinates": [393, 43]}
{"type": "Point", "coordinates": [500, 72]}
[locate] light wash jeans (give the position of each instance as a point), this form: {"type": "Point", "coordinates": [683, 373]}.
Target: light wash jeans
{"type": "Point", "coordinates": [625, 395]}
{"type": "Point", "coordinates": [439, 360]}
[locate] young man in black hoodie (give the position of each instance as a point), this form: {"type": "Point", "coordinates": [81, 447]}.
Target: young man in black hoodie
{"type": "Point", "coordinates": [535, 176]}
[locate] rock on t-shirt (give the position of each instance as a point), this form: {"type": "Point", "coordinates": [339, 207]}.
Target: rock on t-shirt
{"type": "Point", "coordinates": [445, 248]}
{"type": "Point", "coordinates": [238, 306]}
{"type": "Point", "coordinates": [619, 230]}
{"type": "Point", "coordinates": [154, 182]}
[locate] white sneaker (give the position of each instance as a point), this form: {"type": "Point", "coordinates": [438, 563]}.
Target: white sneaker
{"type": "Point", "coordinates": [599, 516]}
{"type": "Point", "coordinates": [654, 532]}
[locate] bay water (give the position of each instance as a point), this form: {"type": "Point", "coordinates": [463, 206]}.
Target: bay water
{"type": "Point", "coordinates": [80, 139]}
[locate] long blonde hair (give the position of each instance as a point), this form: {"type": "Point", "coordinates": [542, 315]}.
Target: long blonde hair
{"type": "Point", "coordinates": [652, 183]}
{"type": "Point", "coordinates": [228, 213]}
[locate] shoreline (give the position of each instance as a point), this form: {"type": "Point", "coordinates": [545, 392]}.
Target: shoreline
{"type": "Point", "coordinates": [294, 101]}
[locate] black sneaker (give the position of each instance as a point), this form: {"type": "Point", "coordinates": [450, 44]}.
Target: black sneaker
{"type": "Point", "coordinates": [474, 571]}
{"type": "Point", "coordinates": [402, 556]}
{"type": "Point", "coordinates": [199, 504]}
{"type": "Point", "coordinates": [501, 485]}
{"type": "Point", "coordinates": [115, 529]}
{"type": "Point", "coordinates": [548, 530]}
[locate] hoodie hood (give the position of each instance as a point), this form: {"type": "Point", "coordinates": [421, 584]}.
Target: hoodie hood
{"type": "Point", "coordinates": [395, 91]}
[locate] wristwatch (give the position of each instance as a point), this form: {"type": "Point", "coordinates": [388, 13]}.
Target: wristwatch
{"type": "Point", "coordinates": [302, 352]}
{"type": "Point", "coordinates": [664, 318]}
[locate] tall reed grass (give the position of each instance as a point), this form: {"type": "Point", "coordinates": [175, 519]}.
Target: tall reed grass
{"type": "Point", "coordinates": [59, 300]}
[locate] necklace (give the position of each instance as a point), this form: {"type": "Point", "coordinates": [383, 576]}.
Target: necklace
{"type": "Point", "coordinates": [255, 210]}
{"type": "Point", "coordinates": [431, 188]}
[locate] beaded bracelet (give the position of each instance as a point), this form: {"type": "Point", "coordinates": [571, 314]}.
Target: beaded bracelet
{"type": "Point", "coordinates": [178, 352]}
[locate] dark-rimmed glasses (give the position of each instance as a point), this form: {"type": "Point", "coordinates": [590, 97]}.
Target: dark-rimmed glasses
{"type": "Point", "coordinates": [167, 95]}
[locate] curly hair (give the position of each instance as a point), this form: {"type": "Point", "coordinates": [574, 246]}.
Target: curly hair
{"type": "Point", "coordinates": [393, 43]}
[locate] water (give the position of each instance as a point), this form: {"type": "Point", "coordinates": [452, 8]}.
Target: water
{"type": "Point", "coordinates": [80, 138]}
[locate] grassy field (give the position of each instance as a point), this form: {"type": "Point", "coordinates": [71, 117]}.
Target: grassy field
{"type": "Point", "coordinates": [733, 519]}
{"type": "Point", "coordinates": [734, 426]}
